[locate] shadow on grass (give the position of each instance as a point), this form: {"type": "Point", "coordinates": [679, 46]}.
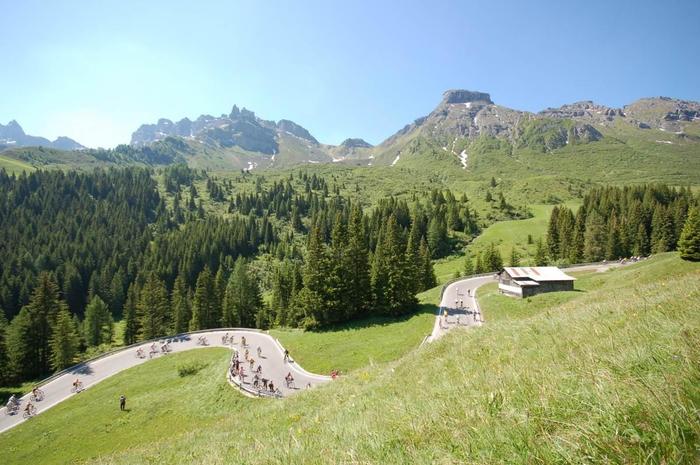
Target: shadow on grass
{"type": "Point", "coordinates": [377, 320]}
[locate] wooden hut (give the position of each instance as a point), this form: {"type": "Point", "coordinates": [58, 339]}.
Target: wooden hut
{"type": "Point", "coordinates": [525, 281]}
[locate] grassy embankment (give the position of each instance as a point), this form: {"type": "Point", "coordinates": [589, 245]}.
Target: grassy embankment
{"type": "Point", "coordinates": [610, 376]}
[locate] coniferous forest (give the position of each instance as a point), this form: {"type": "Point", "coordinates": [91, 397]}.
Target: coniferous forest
{"type": "Point", "coordinates": [618, 222]}
{"type": "Point", "coordinates": [82, 250]}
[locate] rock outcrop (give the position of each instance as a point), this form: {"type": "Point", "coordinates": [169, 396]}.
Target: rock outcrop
{"type": "Point", "coordinates": [240, 128]}
{"type": "Point", "coordinates": [356, 143]}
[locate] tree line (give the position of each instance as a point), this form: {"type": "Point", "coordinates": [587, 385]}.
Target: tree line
{"type": "Point", "coordinates": [618, 222]}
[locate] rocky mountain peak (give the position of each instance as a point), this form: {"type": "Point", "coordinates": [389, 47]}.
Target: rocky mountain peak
{"type": "Point", "coordinates": [465, 96]}
{"type": "Point", "coordinates": [585, 110]}
{"type": "Point", "coordinates": [355, 143]}
{"type": "Point", "coordinates": [12, 135]}
{"type": "Point", "coordinates": [293, 128]}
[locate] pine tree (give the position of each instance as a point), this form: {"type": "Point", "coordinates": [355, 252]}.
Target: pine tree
{"type": "Point", "coordinates": [242, 298]}
{"type": "Point", "coordinates": [479, 264]}
{"type": "Point", "coordinates": [594, 238]}
{"type": "Point", "coordinates": [540, 254]}
{"type": "Point", "coordinates": [437, 236]}
{"type": "Point", "coordinates": [413, 262]}
{"type": "Point", "coordinates": [131, 320]}
{"type": "Point", "coordinates": [203, 302]}
{"type": "Point", "coordinates": [380, 276]}
{"type": "Point", "coordinates": [553, 235]}
{"type": "Point", "coordinates": [662, 232]}
{"type": "Point", "coordinates": [399, 295]}
{"type": "Point", "coordinates": [64, 341]}
{"type": "Point", "coordinates": [613, 245]}
{"type": "Point", "coordinates": [219, 291]}
{"type": "Point", "coordinates": [468, 265]}
{"type": "Point", "coordinates": [153, 308]}
{"type": "Point", "coordinates": [514, 257]}
{"type": "Point", "coordinates": [29, 353]}
{"type": "Point", "coordinates": [357, 266]}
{"type": "Point", "coordinates": [566, 229]}
{"type": "Point", "coordinates": [577, 240]}
{"type": "Point", "coordinates": [338, 308]}
{"type": "Point", "coordinates": [4, 367]}
{"type": "Point", "coordinates": [98, 322]}
{"type": "Point", "coordinates": [73, 291]}
{"type": "Point", "coordinates": [427, 273]}
{"type": "Point", "coordinates": [641, 242]}
{"type": "Point", "coordinates": [689, 242]}
{"type": "Point", "coordinates": [492, 260]}
{"type": "Point", "coordinates": [21, 359]}
{"type": "Point", "coordinates": [315, 277]}
{"type": "Point", "coordinates": [180, 305]}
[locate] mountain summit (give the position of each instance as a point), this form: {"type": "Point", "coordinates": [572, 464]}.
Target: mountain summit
{"type": "Point", "coordinates": [12, 135]}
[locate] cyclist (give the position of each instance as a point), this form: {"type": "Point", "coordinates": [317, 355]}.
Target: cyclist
{"type": "Point", "coordinates": [243, 342]}
{"type": "Point", "coordinates": [286, 355]}
{"type": "Point", "coordinates": [77, 385]}
{"type": "Point", "coordinates": [259, 352]}
{"type": "Point", "coordinates": [29, 409]}
{"type": "Point", "coordinates": [36, 393]}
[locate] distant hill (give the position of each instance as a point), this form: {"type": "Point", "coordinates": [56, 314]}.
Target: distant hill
{"type": "Point", "coordinates": [12, 135]}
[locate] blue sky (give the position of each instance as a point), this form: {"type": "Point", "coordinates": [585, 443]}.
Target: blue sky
{"type": "Point", "coordinates": [96, 70]}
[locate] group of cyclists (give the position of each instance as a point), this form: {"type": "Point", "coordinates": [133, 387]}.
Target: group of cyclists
{"type": "Point", "coordinates": [14, 403]}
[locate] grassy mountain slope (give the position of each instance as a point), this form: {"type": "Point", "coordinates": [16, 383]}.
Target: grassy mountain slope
{"type": "Point", "coordinates": [610, 376]}
{"type": "Point", "coordinates": [12, 165]}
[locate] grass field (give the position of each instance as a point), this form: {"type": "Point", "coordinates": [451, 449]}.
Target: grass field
{"type": "Point", "coordinates": [508, 234]}
{"type": "Point", "coordinates": [505, 235]}
{"type": "Point", "coordinates": [361, 343]}
{"type": "Point", "coordinates": [612, 376]}
{"type": "Point", "coordinates": [13, 166]}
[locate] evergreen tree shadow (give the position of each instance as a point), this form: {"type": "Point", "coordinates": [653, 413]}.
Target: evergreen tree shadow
{"type": "Point", "coordinates": [82, 369]}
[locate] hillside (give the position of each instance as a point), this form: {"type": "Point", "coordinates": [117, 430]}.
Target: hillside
{"type": "Point", "coordinates": [610, 375]}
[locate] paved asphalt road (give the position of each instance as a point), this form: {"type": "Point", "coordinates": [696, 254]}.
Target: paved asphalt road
{"type": "Point", "coordinates": [90, 373]}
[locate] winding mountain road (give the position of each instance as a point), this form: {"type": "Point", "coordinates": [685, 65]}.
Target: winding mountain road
{"type": "Point", "coordinates": [58, 388]}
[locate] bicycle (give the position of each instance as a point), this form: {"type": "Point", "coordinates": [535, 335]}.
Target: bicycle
{"type": "Point", "coordinates": [29, 412]}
